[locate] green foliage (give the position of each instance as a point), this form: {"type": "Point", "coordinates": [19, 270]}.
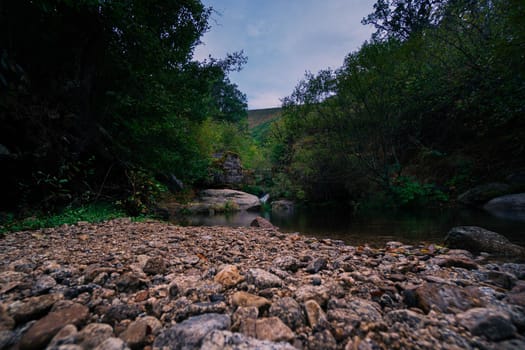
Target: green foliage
{"type": "Point", "coordinates": [70, 215]}
{"type": "Point", "coordinates": [409, 192]}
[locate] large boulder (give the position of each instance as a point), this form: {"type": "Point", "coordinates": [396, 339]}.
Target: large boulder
{"type": "Point", "coordinates": [217, 200]}
{"type": "Point", "coordinates": [226, 170]}
{"type": "Point", "coordinates": [477, 239]}
{"type": "Point", "coordinates": [511, 206]}
{"type": "Point", "coordinates": [478, 196]}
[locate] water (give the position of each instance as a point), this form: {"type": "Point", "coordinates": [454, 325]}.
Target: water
{"type": "Point", "coordinates": [374, 227]}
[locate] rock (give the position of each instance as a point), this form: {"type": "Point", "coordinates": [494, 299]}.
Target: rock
{"type": "Point", "coordinates": [289, 311]}
{"type": "Point", "coordinates": [283, 206]}
{"type": "Point", "coordinates": [155, 266]}
{"type": "Point", "coordinates": [242, 315]}
{"type": "Point", "coordinates": [262, 279]}
{"type": "Point", "coordinates": [116, 313]}
{"type": "Point", "coordinates": [229, 276]}
{"type": "Point", "coordinates": [33, 308]}
{"type": "Point", "coordinates": [43, 330]}
{"type": "Point", "coordinates": [262, 223]}
{"type": "Point", "coordinates": [94, 334]}
{"type": "Point", "coordinates": [511, 206]}
{"type": "Point", "coordinates": [224, 340]}
{"type": "Point", "coordinates": [408, 317]}
{"type": "Point", "coordinates": [445, 298]}
{"type": "Point", "coordinates": [316, 265]}
{"type": "Point", "coordinates": [323, 340]}
{"type": "Point", "coordinates": [502, 279]}
{"type": "Point", "coordinates": [7, 338]}
{"type": "Point", "coordinates": [477, 239]}
{"type": "Point", "coordinates": [67, 335]}
{"type": "Point", "coordinates": [478, 196]}
{"type": "Point", "coordinates": [136, 335]}
{"type": "Point", "coordinates": [308, 292]}
{"type": "Point", "coordinates": [6, 321]}
{"type": "Point", "coordinates": [454, 261]}
{"type": "Point", "coordinates": [131, 282]}
{"type": "Point", "coordinates": [489, 323]}
{"type": "Point", "coordinates": [190, 333]}
{"type": "Point", "coordinates": [112, 344]}
{"type": "Point", "coordinates": [245, 299]}
{"type": "Point", "coordinates": [287, 263]}
{"type": "Point", "coordinates": [44, 284]}
{"type": "Point", "coordinates": [224, 200]}
{"type": "Point", "coordinates": [315, 315]}
{"type": "Point", "coordinates": [273, 329]}
{"type": "Point", "coordinates": [226, 170]}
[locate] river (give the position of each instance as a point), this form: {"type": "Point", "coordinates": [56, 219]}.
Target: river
{"type": "Point", "coordinates": [373, 227]}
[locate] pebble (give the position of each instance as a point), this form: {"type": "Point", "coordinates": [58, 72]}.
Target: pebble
{"type": "Point", "coordinates": [150, 285]}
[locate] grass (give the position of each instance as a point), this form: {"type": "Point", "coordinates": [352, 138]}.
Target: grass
{"type": "Point", "coordinates": [96, 212]}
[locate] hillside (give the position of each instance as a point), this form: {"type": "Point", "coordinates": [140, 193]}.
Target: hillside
{"type": "Point", "coordinates": [257, 117]}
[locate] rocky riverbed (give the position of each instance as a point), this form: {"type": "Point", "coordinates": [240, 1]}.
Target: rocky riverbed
{"type": "Point", "coordinates": [152, 285]}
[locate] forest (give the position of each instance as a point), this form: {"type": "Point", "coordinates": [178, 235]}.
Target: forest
{"type": "Point", "coordinates": [103, 101]}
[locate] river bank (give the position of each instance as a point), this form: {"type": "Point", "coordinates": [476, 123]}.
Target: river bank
{"type": "Point", "coordinates": [121, 284]}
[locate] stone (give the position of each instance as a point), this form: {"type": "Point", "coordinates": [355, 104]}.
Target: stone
{"type": "Point", "coordinates": [502, 279]}
{"type": "Point", "coordinates": [245, 299]}
{"type": "Point", "coordinates": [32, 308]}
{"type": "Point", "coordinates": [67, 335]}
{"type": "Point", "coordinates": [6, 321]}
{"type": "Point", "coordinates": [242, 314]}
{"type": "Point", "coordinates": [323, 340]}
{"type": "Point", "coordinates": [262, 279]}
{"type": "Point", "coordinates": [225, 340]}
{"type": "Point", "coordinates": [308, 292]}
{"type": "Point", "coordinates": [315, 315]}
{"type": "Point", "coordinates": [273, 329]}
{"type": "Point", "coordinates": [316, 265]}
{"type": "Point", "coordinates": [511, 207]}
{"type": "Point", "coordinates": [283, 206]}
{"type": "Point", "coordinates": [43, 330]}
{"type": "Point", "coordinates": [190, 333]}
{"type": "Point", "coordinates": [224, 200]}
{"type": "Point", "coordinates": [119, 312]}
{"type": "Point", "coordinates": [155, 266]}
{"type": "Point", "coordinates": [94, 334]}
{"type": "Point", "coordinates": [43, 284]}
{"type": "Point", "coordinates": [262, 223]}
{"type": "Point", "coordinates": [445, 298]}
{"type": "Point", "coordinates": [7, 338]}
{"type": "Point", "coordinates": [136, 333]}
{"type": "Point", "coordinates": [478, 196]}
{"type": "Point", "coordinates": [131, 282]}
{"type": "Point", "coordinates": [229, 276]}
{"type": "Point", "coordinates": [287, 263]}
{"type": "Point", "coordinates": [289, 311]}
{"type": "Point", "coordinates": [226, 170]}
{"type": "Point", "coordinates": [477, 239]}
{"type": "Point", "coordinates": [413, 319]}
{"type": "Point", "coordinates": [112, 344]}
{"type": "Point", "coordinates": [489, 323]}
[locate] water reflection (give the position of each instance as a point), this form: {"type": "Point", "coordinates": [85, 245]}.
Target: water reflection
{"type": "Point", "coordinates": [373, 227]}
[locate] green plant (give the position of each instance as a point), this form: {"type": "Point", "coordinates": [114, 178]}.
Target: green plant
{"type": "Point", "coordinates": [409, 192]}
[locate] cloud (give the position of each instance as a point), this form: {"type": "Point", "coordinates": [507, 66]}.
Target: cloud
{"type": "Point", "coordinates": [283, 39]}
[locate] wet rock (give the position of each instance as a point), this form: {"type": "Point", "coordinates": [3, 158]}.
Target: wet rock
{"type": "Point", "coordinates": [262, 279]}
{"type": "Point", "coordinates": [229, 276]}
{"type": "Point", "coordinates": [190, 333]}
{"type": "Point", "coordinates": [245, 299]}
{"type": "Point", "coordinates": [511, 206]}
{"type": "Point", "coordinates": [262, 223]}
{"type": "Point", "coordinates": [477, 239]}
{"type": "Point", "coordinates": [273, 329]}
{"type": "Point", "coordinates": [45, 329]}
{"type": "Point", "coordinates": [43, 285]}
{"type": "Point", "coordinates": [480, 195]}
{"type": "Point", "coordinates": [513, 344]}
{"type": "Point", "coordinates": [225, 340]}
{"type": "Point", "coordinates": [445, 298]}
{"type": "Point", "coordinates": [112, 344]}
{"type": "Point", "coordinates": [155, 265]}
{"type": "Point", "coordinates": [454, 261]}
{"type": "Point", "coordinates": [316, 265]}
{"type": "Point", "coordinates": [283, 206]}
{"type": "Point", "coordinates": [287, 263]}
{"type": "Point", "coordinates": [502, 279]}
{"type": "Point", "coordinates": [289, 311]}
{"type": "Point", "coordinates": [33, 308]}
{"type": "Point", "coordinates": [489, 323]}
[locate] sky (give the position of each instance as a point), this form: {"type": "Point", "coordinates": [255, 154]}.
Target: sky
{"type": "Point", "coordinates": [283, 39]}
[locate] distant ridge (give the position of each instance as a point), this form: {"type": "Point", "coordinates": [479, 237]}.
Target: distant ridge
{"type": "Point", "coordinates": [257, 117]}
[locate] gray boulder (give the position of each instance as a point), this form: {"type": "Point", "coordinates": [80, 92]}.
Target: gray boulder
{"type": "Point", "coordinates": [477, 239]}
{"type": "Point", "coordinates": [510, 207]}
{"type": "Point", "coordinates": [217, 200]}
{"type": "Point", "coordinates": [283, 205]}
{"type": "Point", "coordinates": [479, 195]}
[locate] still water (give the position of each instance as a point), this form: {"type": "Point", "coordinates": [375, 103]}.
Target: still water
{"type": "Point", "coordinates": [373, 227]}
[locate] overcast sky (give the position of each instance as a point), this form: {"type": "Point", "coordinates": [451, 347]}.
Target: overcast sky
{"type": "Point", "coordinates": [283, 39]}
